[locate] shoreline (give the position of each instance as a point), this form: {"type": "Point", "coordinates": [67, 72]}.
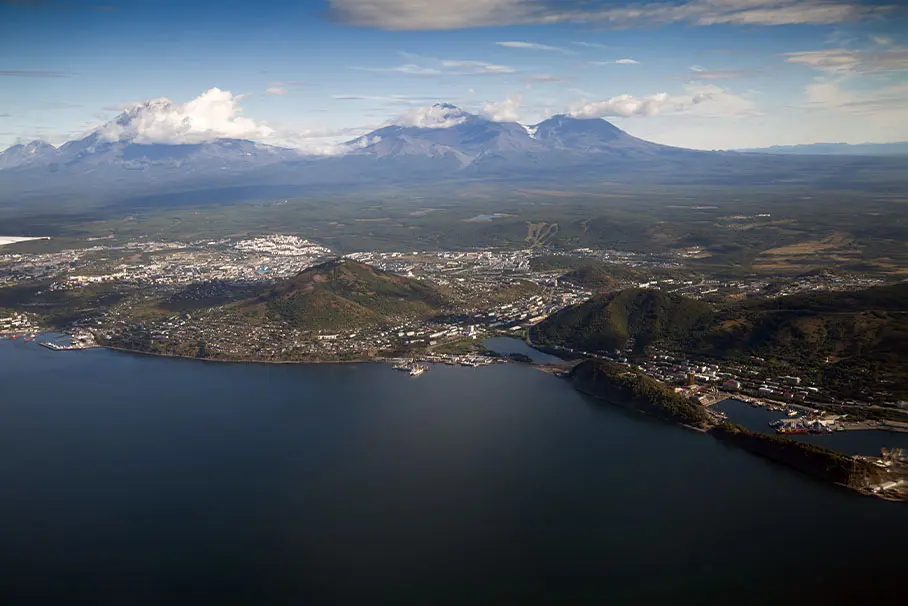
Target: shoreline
{"type": "Point", "coordinates": [546, 368]}
{"type": "Point", "coordinates": [238, 361]}
{"type": "Point", "coordinates": [780, 450]}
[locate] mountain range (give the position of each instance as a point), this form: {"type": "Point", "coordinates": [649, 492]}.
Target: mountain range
{"type": "Point", "coordinates": [457, 147]}
{"type": "Point", "coordinates": [836, 149]}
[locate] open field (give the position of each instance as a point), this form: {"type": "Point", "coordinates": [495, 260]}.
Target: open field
{"type": "Point", "coordinates": [779, 229]}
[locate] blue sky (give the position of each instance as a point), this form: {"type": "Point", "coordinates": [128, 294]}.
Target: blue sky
{"type": "Point", "coordinates": [697, 73]}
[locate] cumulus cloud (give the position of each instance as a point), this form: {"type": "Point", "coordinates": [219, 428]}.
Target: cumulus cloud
{"type": "Point", "coordinates": [622, 106]}
{"type": "Point", "coordinates": [699, 100]}
{"type": "Point", "coordinates": [456, 14]}
{"type": "Point", "coordinates": [440, 115]}
{"type": "Point", "coordinates": [503, 111]}
{"type": "Point", "coordinates": [845, 61]}
{"type": "Point", "coordinates": [213, 114]}
{"type": "Point", "coordinates": [534, 46]}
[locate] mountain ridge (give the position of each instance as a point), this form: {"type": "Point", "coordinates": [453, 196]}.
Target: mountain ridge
{"type": "Point", "coordinates": [118, 162]}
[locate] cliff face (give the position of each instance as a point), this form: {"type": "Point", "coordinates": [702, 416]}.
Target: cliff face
{"type": "Point", "coordinates": [820, 462]}
{"type": "Point", "coordinates": [619, 385]}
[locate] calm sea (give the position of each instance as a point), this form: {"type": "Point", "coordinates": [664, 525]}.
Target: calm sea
{"type": "Point", "coordinates": [139, 480]}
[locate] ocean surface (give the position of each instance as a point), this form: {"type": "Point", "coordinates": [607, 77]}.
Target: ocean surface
{"type": "Point", "coordinates": [129, 479]}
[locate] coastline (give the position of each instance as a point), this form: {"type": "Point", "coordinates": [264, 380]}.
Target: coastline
{"type": "Point", "coordinates": [241, 361]}
{"type": "Point", "coordinates": [815, 461]}
{"type": "Point", "coordinates": [857, 473]}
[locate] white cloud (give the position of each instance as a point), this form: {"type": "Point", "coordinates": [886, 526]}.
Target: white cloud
{"type": "Point", "coordinates": [700, 100]}
{"type": "Point", "coordinates": [440, 115]}
{"type": "Point", "coordinates": [476, 68]}
{"type": "Point", "coordinates": [213, 114]}
{"type": "Point", "coordinates": [391, 99]}
{"type": "Point", "coordinates": [615, 62]}
{"type": "Point", "coordinates": [276, 90]}
{"type": "Point", "coordinates": [503, 111]}
{"type": "Point", "coordinates": [456, 14]}
{"type": "Point", "coordinates": [410, 69]}
{"type": "Point", "coordinates": [845, 61]}
{"type": "Point", "coordinates": [591, 45]}
{"type": "Point", "coordinates": [623, 106]}
{"type": "Point", "coordinates": [534, 46]}
{"type": "Point", "coordinates": [444, 67]}
{"type": "Point", "coordinates": [882, 40]}
{"type": "Point", "coordinates": [711, 101]}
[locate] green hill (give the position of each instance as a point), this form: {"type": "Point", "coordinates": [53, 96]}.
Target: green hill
{"type": "Point", "coordinates": [846, 339]}
{"type": "Point", "coordinates": [853, 338]}
{"type": "Point", "coordinates": [587, 273]}
{"type": "Point", "coordinates": [343, 294]}
{"type": "Point", "coordinates": [607, 322]}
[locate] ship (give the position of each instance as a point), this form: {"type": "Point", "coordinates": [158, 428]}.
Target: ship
{"type": "Point", "coordinates": [793, 430]}
{"type": "Point", "coordinates": [417, 370]}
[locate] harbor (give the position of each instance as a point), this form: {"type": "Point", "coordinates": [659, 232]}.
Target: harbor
{"type": "Point", "coordinates": [862, 438]}
{"type": "Point", "coordinates": [74, 342]}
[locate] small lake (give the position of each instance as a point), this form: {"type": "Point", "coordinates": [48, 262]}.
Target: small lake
{"type": "Point", "coordinates": [867, 442]}
{"type": "Point", "coordinates": [508, 345]}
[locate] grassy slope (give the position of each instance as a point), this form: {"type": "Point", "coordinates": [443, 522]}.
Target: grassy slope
{"type": "Point", "coordinates": [850, 338]}
{"type": "Point", "coordinates": [606, 322]}
{"type": "Point", "coordinates": [343, 294]}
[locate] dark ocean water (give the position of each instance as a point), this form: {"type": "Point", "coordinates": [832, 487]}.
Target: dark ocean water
{"type": "Point", "coordinates": [139, 480]}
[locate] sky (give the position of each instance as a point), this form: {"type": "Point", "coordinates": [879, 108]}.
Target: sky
{"type": "Point", "coordinates": [705, 74]}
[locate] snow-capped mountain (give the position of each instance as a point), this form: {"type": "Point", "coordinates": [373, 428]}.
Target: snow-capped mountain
{"type": "Point", "coordinates": [35, 153]}
{"type": "Point", "coordinates": [145, 152]}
